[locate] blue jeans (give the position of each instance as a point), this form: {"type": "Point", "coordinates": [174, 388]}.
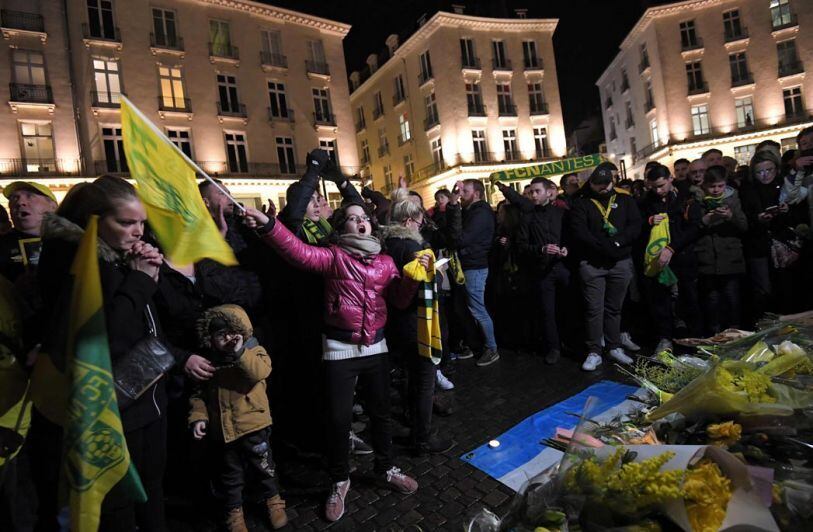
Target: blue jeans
{"type": "Point", "coordinates": [475, 291]}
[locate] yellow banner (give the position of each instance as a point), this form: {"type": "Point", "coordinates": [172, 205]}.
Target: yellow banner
{"type": "Point", "coordinates": [169, 191]}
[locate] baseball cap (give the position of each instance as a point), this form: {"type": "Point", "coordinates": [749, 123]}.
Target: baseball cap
{"type": "Point", "coordinates": [603, 173]}
{"type": "Point", "coordinates": [37, 188]}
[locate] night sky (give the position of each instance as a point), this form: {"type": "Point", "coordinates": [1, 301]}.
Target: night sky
{"type": "Point", "coordinates": [586, 39]}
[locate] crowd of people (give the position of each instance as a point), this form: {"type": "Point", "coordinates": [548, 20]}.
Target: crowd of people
{"type": "Point", "coordinates": [339, 299]}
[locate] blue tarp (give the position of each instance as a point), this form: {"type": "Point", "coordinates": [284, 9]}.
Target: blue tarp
{"type": "Point", "coordinates": [520, 444]}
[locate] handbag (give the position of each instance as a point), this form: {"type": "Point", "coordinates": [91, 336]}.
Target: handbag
{"type": "Point", "coordinates": [143, 365]}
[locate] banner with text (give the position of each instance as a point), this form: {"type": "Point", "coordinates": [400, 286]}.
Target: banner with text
{"type": "Point", "coordinates": [563, 166]}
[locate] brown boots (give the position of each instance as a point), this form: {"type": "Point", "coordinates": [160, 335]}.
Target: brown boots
{"type": "Point", "coordinates": [235, 521]}
{"type": "Point", "coordinates": [276, 511]}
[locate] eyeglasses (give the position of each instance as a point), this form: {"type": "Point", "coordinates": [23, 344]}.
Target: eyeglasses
{"type": "Point", "coordinates": [358, 219]}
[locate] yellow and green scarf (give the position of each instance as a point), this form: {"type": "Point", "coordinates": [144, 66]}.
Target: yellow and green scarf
{"type": "Point", "coordinates": [608, 227]}
{"type": "Point", "coordinates": [429, 339]}
{"type": "Point", "coordinates": [659, 238]}
{"type": "Point", "coordinates": [713, 202]}
{"type": "Point", "coordinates": [316, 232]}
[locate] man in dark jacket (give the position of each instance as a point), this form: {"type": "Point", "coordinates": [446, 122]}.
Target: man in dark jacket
{"type": "Point", "coordinates": [664, 200]}
{"type": "Point", "coordinates": [604, 223]}
{"type": "Point", "coordinates": [539, 242]}
{"type": "Point", "coordinates": [473, 244]}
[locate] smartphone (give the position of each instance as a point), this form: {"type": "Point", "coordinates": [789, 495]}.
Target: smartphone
{"type": "Point", "coordinates": [440, 263]}
{"type": "Point", "coordinates": [772, 209]}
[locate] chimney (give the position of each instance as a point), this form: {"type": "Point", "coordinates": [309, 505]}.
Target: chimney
{"type": "Point", "coordinates": [521, 13]}
{"type": "Point", "coordinates": [372, 62]}
{"type": "Point", "coordinates": [355, 78]}
{"type": "Point", "coordinates": [458, 9]}
{"type": "Point", "coordinates": [392, 44]}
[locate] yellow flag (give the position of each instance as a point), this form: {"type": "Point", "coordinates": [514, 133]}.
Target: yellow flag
{"type": "Point", "coordinates": [15, 413]}
{"type": "Point", "coordinates": [96, 457]}
{"type": "Point", "coordinates": [169, 191]}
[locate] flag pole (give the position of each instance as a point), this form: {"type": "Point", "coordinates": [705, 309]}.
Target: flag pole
{"type": "Point", "coordinates": [198, 170]}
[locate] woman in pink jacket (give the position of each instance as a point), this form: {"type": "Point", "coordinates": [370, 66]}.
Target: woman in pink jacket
{"type": "Point", "coordinates": [359, 281]}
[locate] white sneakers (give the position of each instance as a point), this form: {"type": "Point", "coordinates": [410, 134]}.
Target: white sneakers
{"type": "Point", "coordinates": [627, 343]}
{"type": "Point", "coordinates": [592, 362]}
{"type": "Point", "coordinates": [443, 382]}
{"type": "Point", "coordinates": [663, 345]}
{"type": "Point", "coordinates": [620, 356]}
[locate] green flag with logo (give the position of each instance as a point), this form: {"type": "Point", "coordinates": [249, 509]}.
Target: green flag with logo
{"type": "Point", "coordinates": [562, 166]}
{"type": "Point", "coordinates": [95, 456]}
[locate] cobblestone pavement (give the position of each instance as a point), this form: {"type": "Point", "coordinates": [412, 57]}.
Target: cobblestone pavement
{"type": "Point", "coordinates": [487, 401]}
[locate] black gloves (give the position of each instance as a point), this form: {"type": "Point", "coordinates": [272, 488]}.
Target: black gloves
{"type": "Point", "coordinates": [320, 162]}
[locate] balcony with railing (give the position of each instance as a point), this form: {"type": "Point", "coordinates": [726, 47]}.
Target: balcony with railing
{"type": "Point", "coordinates": [321, 118]}
{"type": "Point", "coordinates": [505, 64]}
{"type": "Point", "coordinates": [539, 108]}
{"type": "Point", "coordinates": [424, 77]}
{"type": "Point", "coordinates": [532, 63]}
{"type": "Point", "coordinates": [789, 68]}
{"type": "Point", "coordinates": [403, 139]}
{"type": "Point", "coordinates": [101, 34]}
{"type": "Point", "coordinates": [166, 42]}
{"type": "Point", "coordinates": [383, 150]}
{"type": "Point", "coordinates": [317, 67]}
{"type": "Point", "coordinates": [744, 78]}
{"type": "Point", "coordinates": [19, 20]}
{"type": "Point", "coordinates": [378, 112]}
{"type": "Point", "coordinates": [470, 63]}
{"type": "Point", "coordinates": [361, 125]}
{"type": "Point", "coordinates": [508, 109]}
{"type": "Point", "coordinates": [398, 98]}
{"type": "Point", "coordinates": [477, 109]}
{"type": "Point", "coordinates": [283, 114]}
{"type": "Point", "coordinates": [691, 44]}
{"type": "Point", "coordinates": [649, 105]}
{"type": "Point", "coordinates": [224, 50]}
{"type": "Point", "coordinates": [699, 88]}
{"type": "Point", "coordinates": [431, 121]}
{"type": "Point", "coordinates": [27, 93]}
{"type": "Point", "coordinates": [269, 60]}
{"type": "Point", "coordinates": [736, 34]}
{"type": "Point", "coordinates": [783, 22]}
{"type": "Point", "coordinates": [104, 99]}
{"type": "Point", "coordinates": [40, 167]}
{"type": "Point", "coordinates": [284, 170]}
{"type": "Point", "coordinates": [231, 110]}
{"type": "Point", "coordinates": [365, 159]}
{"type": "Point", "coordinates": [543, 153]}
{"type": "Point", "coordinates": [174, 105]}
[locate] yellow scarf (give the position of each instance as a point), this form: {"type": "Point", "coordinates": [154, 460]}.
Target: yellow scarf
{"type": "Point", "coordinates": [605, 214]}
{"type": "Point", "coordinates": [429, 342]}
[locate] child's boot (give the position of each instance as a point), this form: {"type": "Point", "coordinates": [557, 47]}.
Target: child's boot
{"type": "Point", "coordinates": [235, 521]}
{"type": "Point", "coordinates": [276, 511]}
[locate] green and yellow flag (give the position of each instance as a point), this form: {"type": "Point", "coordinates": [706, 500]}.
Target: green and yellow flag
{"type": "Point", "coordinates": [15, 410]}
{"type": "Point", "coordinates": [168, 188]}
{"type": "Point", "coordinates": [562, 166]}
{"type": "Point", "coordinates": [659, 238]}
{"type": "Point", "coordinates": [95, 456]}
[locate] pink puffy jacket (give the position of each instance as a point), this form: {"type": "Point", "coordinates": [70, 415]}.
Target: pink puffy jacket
{"type": "Point", "coordinates": [355, 291]}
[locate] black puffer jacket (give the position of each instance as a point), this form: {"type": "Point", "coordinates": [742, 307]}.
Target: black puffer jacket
{"type": "Point", "coordinates": [127, 294]}
{"type": "Point", "coordinates": [755, 198]}
{"type": "Point", "coordinates": [590, 242]}
{"type": "Point", "coordinates": [473, 241]}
